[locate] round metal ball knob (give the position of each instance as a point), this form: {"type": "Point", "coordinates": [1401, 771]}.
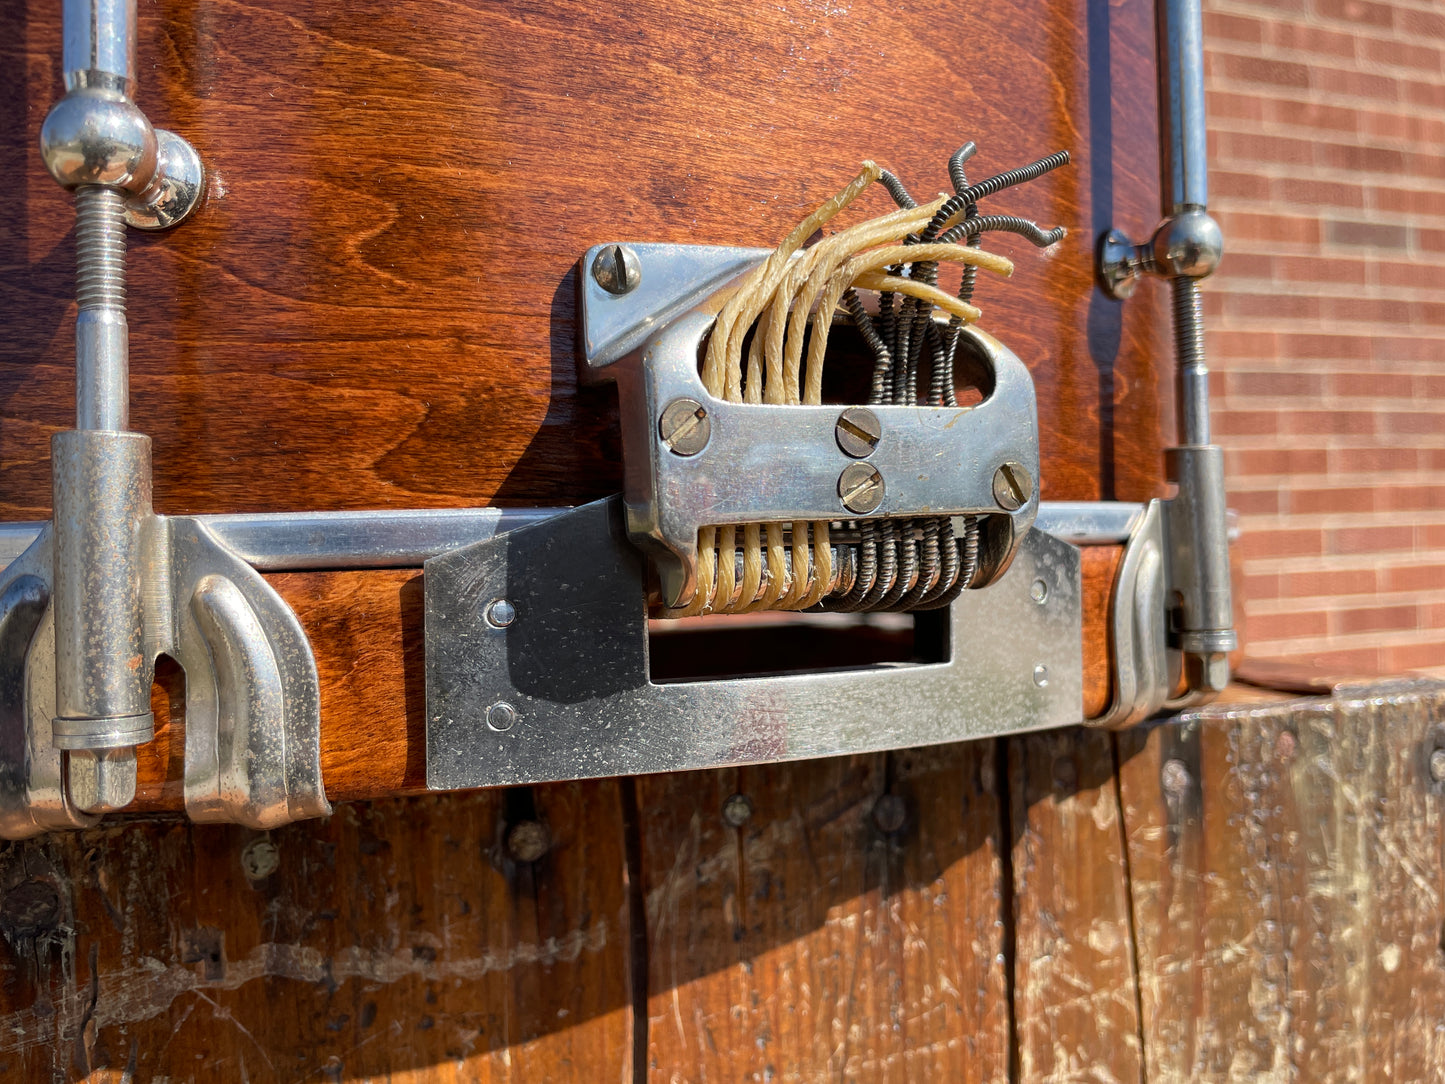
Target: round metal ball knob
{"type": "Point", "coordinates": [98, 136]}
{"type": "Point", "coordinates": [1188, 245]}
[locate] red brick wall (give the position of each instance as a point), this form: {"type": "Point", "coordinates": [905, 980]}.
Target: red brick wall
{"type": "Point", "coordinates": [1327, 323]}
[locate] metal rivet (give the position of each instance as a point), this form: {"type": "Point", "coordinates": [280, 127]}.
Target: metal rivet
{"type": "Point", "coordinates": [685, 427]}
{"type": "Point", "coordinates": [861, 488]}
{"type": "Point", "coordinates": [1012, 486]}
{"type": "Point", "coordinates": [500, 613]}
{"type": "Point", "coordinates": [1437, 765]}
{"type": "Point", "coordinates": [1039, 592]}
{"type": "Point", "coordinates": [1041, 675]}
{"type": "Point", "coordinates": [259, 859]}
{"type": "Point", "coordinates": [527, 841]}
{"type": "Point", "coordinates": [1175, 779]}
{"type": "Point", "coordinates": [737, 810]}
{"type": "Point", "coordinates": [501, 716]}
{"type": "Point", "coordinates": [857, 432]}
{"type": "Point", "coordinates": [889, 813]}
{"type": "Point", "coordinates": [616, 269]}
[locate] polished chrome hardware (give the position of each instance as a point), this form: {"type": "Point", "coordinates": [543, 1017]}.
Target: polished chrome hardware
{"type": "Point", "coordinates": [564, 689]}
{"type": "Point", "coordinates": [1144, 671]}
{"type": "Point", "coordinates": [108, 585]}
{"type": "Point", "coordinates": [934, 461]}
{"type": "Point", "coordinates": [407, 538]}
{"type": "Point", "coordinates": [570, 675]}
{"type": "Point", "coordinates": [96, 136]}
{"type": "Point", "coordinates": [1186, 247]}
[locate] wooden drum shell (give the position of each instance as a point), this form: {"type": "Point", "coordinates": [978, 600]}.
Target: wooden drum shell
{"type": "Point", "coordinates": [374, 307]}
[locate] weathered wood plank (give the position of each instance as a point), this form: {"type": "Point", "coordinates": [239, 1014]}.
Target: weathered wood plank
{"type": "Point", "coordinates": [397, 940]}
{"type": "Point", "coordinates": [811, 943]}
{"type": "Point", "coordinates": [1075, 999]}
{"type": "Point", "coordinates": [1287, 880]}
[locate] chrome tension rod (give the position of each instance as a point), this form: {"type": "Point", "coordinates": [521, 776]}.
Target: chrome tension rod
{"type": "Point", "coordinates": [1186, 247]}
{"type": "Point", "coordinates": [98, 143]}
{"type": "Point", "coordinates": [108, 585]}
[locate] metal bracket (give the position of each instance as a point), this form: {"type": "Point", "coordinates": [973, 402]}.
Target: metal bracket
{"type": "Point", "coordinates": [558, 686]}
{"type": "Point", "coordinates": [931, 460]}
{"type": "Point", "coordinates": [109, 585]}
{"type": "Point", "coordinates": [1144, 667]}
{"type": "Point", "coordinates": [252, 729]}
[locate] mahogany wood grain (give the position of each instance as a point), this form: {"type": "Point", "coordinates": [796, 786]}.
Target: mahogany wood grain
{"type": "Point", "coordinates": [374, 307]}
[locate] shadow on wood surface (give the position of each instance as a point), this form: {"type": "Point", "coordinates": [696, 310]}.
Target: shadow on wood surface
{"type": "Point", "coordinates": [1242, 888]}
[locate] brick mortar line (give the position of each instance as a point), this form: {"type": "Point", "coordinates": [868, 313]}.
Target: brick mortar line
{"type": "Point", "coordinates": [1308, 604]}
{"type": "Point", "coordinates": [1344, 562]}
{"type": "Point", "coordinates": [1358, 64]}
{"type": "Point", "coordinates": [1326, 96]}
{"type": "Point", "coordinates": [1344, 642]}
{"type": "Point", "coordinates": [1245, 402]}
{"type": "Point", "coordinates": [1309, 20]}
{"type": "Point", "coordinates": [1263, 522]}
{"type": "Point", "coordinates": [1322, 133]}
{"type": "Point", "coordinates": [1268, 11]}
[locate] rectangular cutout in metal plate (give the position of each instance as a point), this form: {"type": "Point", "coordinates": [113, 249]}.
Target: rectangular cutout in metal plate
{"type": "Point", "coordinates": [562, 689]}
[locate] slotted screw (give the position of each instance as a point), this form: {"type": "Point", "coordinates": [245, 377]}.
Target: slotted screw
{"type": "Point", "coordinates": [685, 427]}
{"type": "Point", "coordinates": [858, 431]}
{"type": "Point", "coordinates": [861, 487]}
{"type": "Point", "coordinates": [616, 269]}
{"type": "Point", "coordinates": [1012, 486]}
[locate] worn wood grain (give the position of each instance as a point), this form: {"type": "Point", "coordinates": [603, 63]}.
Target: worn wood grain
{"type": "Point", "coordinates": [811, 943]}
{"type": "Point", "coordinates": [396, 940]}
{"type": "Point", "coordinates": [1287, 879]}
{"type": "Point", "coordinates": [1075, 995]}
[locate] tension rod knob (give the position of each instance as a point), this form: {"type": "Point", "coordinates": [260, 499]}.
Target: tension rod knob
{"type": "Point", "coordinates": [95, 135]}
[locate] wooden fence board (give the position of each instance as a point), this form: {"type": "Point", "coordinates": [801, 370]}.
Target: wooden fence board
{"type": "Point", "coordinates": [1075, 1001]}
{"type": "Point", "coordinates": [811, 943]}
{"type": "Point", "coordinates": [1287, 888]}
{"type": "Point", "coordinates": [395, 940]}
